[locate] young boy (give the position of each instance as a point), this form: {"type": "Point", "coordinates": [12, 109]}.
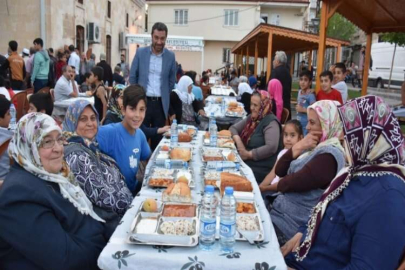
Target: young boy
{"type": "Point", "coordinates": [306, 97]}
{"type": "Point", "coordinates": [327, 92]}
{"type": "Point", "coordinates": [86, 85]}
{"type": "Point", "coordinates": [125, 142]}
{"type": "Point", "coordinates": [339, 75]}
{"type": "Point", "coordinates": [41, 102]}
{"type": "Point", "coordinates": [5, 137]}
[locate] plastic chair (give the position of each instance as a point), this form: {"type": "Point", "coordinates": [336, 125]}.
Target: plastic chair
{"type": "Point", "coordinates": [284, 116]}
{"type": "Point", "coordinates": [21, 102]}
{"type": "Point", "coordinates": [44, 90]}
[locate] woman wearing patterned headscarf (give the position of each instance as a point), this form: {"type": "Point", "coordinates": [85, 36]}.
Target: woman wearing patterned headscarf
{"type": "Point", "coordinates": [359, 220]}
{"type": "Point", "coordinates": [307, 169]}
{"type": "Point", "coordinates": [114, 114]}
{"type": "Point", "coordinates": [97, 173]}
{"type": "Point", "coordinates": [258, 136]}
{"type": "Point", "coordinates": [46, 219]}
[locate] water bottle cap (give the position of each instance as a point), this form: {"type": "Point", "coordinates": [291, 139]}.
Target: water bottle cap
{"type": "Point", "coordinates": [229, 190]}
{"type": "Point", "coordinates": [175, 121]}
{"type": "Point", "coordinates": [209, 189]}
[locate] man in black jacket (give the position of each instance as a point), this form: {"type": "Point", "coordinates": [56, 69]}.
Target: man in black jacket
{"type": "Point", "coordinates": [282, 73]}
{"type": "Point", "coordinates": [108, 75]}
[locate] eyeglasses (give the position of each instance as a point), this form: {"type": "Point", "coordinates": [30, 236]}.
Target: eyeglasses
{"type": "Point", "coordinates": [49, 143]}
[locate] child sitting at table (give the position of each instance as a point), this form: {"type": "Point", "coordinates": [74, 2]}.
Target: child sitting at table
{"type": "Point", "coordinates": [306, 97]}
{"type": "Point", "coordinates": [292, 133]}
{"type": "Point", "coordinates": [339, 75]}
{"type": "Point", "coordinates": [125, 142]}
{"type": "Point", "coordinates": [41, 102]}
{"type": "Point", "coordinates": [327, 92]}
{"type": "Point", "coordinates": [5, 137]}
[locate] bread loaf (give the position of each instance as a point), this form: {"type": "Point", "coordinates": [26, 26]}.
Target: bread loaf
{"type": "Point", "coordinates": [184, 137]}
{"type": "Point", "coordinates": [231, 157]}
{"type": "Point", "coordinates": [180, 154]}
{"type": "Point", "coordinates": [239, 183]}
{"type": "Point", "coordinates": [225, 133]}
{"type": "Point", "coordinates": [233, 104]}
{"type": "Point", "coordinates": [179, 192]}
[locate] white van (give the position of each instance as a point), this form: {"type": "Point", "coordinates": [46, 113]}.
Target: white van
{"type": "Point", "coordinates": [381, 54]}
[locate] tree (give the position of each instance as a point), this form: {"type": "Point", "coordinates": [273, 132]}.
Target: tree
{"type": "Point", "coordinates": [340, 27]}
{"type": "Point", "coordinates": [399, 40]}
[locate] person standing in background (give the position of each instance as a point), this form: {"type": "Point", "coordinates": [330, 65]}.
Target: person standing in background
{"type": "Point", "coordinates": [124, 67]}
{"type": "Point", "coordinates": [40, 71]}
{"type": "Point", "coordinates": [16, 67]}
{"type": "Point", "coordinates": [154, 68]}
{"type": "Point", "coordinates": [91, 63]}
{"type": "Point", "coordinates": [74, 60]}
{"type": "Point", "coordinates": [52, 68]}
{"type": "Point", "coordinates": [108, 75]}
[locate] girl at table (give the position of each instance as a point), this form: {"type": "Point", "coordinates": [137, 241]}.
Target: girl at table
{"type": "Point", "coordinates": [292, 134]}
{"type": "Point", "coordinates": [359, 221]}
{"type": "Point", "coordinates": [97, 174]}
{"type": "Point", "coordinates": [186, 109]}
{"type": "Point", "coordinates": [276, 93]}
{"type": "Point", "coordinates": [258, 137]}
{"type": "Point", "coordinates": [47, 222]}
{"type": "Point", "coordinates": [307, 169]}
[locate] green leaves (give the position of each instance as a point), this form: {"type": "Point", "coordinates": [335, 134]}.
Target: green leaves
{"type": "Point", "coordinates": [394, 38]}
{"type": "Point", "coordinates": [340, 27]}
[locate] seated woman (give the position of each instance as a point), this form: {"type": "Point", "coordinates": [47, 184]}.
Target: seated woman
{"type": "Point", "coordinates": [97, 174]}
{"type": "Point", "coordinates": [184, 106]}
{"type": "Point", "coordinates": [258, 137]}
{"type": "Point", "coordinates": [47, 222]}
{"type": "Point", "coordinates": [197, 91]}
{"type": "Point", "coordinates": [114, 113]}
{"type": "Point", "coordinates": [307, 169]}
{"type": "Point", "coordinates": [276, 93]}
{"type": "Point", "coordinates": [359, 221]}
{"type": "Point", "coordinates": [244, 95]}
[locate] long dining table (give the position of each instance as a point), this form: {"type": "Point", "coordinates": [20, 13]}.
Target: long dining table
{"type": "Point", "coordinates": [119, 253]}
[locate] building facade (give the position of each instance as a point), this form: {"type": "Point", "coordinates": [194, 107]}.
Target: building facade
{"type": "Point", "coordinates": [220, 24]}
{"type": "Point", "coordinates": [94, 26]}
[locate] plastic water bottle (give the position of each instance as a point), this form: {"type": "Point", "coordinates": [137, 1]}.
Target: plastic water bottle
{"type": "Point", "coordinates": [171, 164]}
{"type": "Point", "coordinates": [212, 118]}
{"type": "Point", "coordinates": [208, 219]}
{"type": "Point", "coordinates": [13, 120]}
{"type": "Point", "coordinates": [223, 106]}
{"type": "Point", "coordinates": [174, 137]}
{"type": "Point", "coordinates": [213, 133]}
{"type": "Point", "coordinates": [228, 221]}
{"type": "Point", "coordinates": [221, 166]}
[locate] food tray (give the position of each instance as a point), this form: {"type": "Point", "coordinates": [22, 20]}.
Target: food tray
{"type": "Point", "coordinates": [143, 230]}
{"type": "Point", "coordinates": [206, 142]}
{"type": "Point", "coordinates": [214, 176]}
{"type": "Point", "coordinates": [217, 154]}
{"type": "Point", "coordinates": [235, 114]}
{"type": "Point", "coordinates": [163, 155]}
{"type": "Point", "coordinates": [174, 174]}
{"type": "Point", "coordinates": [182, 128]}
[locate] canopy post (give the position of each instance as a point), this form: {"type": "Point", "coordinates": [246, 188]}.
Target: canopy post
{"type": "Point", "coordinates": [322, 41]}
{"type": "Point", "coordinates": [339, 53]}
{"type": "Point", "coordinates": [269, 55]}
{"type": "Point", "coordinates": [292, 64]}
{"type": "Point", "coordinates": [256, 55]}
{"type": "Point", "coordinates": [247, 61]}
{"type": "Point", "coordinates": [310, 60]}
{"type": "Point", "coordinates": [366, 66]}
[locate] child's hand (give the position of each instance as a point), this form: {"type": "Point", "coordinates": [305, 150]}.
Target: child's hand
{"type": "Point", "coordinates": [300, 109]}
{"type": "Point", "coordinates": [291, 245]}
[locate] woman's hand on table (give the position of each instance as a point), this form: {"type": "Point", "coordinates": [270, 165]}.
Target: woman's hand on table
{"type": "Point", "coordinates": [245, 155]}
{"type": "Point", "coordinates": [202, 113]}
{"type": "Point", "coordinates": [271, 187]}
{"type": "Point", "coordinates": [291, 245]}
{"type": "Point", "coordinates": [309, 142]}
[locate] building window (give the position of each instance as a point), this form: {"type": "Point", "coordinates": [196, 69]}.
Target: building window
{"type": "Point", "coordinates": [226, 55]}
{"type": "Point", "coordinates": [181, 17]}
{"type": "Point", "coordinates": [80, 1]}
{"type": "Point", "coordinates": [80, 38]}
{"type": "Point", "coordinates": [231, 17]}
{"type": "Point", "coordinates": [127, 22]}
{"type": "Point", "coordinates": [109, 9]}
{"type": "Point", "coordinates": [264, 18]}
{"type": "Point", "coordinates": [108, 49]}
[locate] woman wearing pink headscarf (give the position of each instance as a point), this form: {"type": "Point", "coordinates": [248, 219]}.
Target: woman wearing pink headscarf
{"type": "Point", "coordinates": [276, 94]}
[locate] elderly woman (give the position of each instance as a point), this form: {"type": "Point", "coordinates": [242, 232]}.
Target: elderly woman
{"type": "Point", "coordinates": [183, 103]}
{"type": "Point", "coordinates": [307, 169]}
{"type": "Point", "coordinates": [97, 174]}
{"type": "Point", "coordinates": [359, 221]}
{"type": "Point", "coordinates": [47, 222]}
{"type": "Point", "coordinates": [258, 137]}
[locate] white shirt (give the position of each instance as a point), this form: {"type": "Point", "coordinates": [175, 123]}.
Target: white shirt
{"type": "Point", "coordinates": [74, 60]}
{"type": "Point", "coordinates": [342, 88]}
{"type": "Point", "coordinates": [282, 152]}
{"type": "Point", "coordinates": [5, 93]}
{"type": "Point", "coordinates": [155, 75]}
{"type": "Point", "coordinates": [63, 89]}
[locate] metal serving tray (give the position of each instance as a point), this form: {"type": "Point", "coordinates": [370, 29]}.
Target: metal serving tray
{"type": "Point", "coordinates": [175, 174]}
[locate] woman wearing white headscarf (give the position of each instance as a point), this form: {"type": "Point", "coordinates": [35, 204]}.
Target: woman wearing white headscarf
{"type": "Point", "coordinates": [47, 222]}
{"type": "Point", "coordinates": [184, 105]}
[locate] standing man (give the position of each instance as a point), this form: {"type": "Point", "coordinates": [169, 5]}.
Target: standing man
{"type": "Point", "coordinates": [74, 60]}
{"type": "Point", "coordinates": [281, 73]}
{"type": "Point", "coordinates": [154, 68]}
{"type": "Point", "coordinates": [91, 63]}
{"type": "Point", "coordinates": [40, 70]}
{"type": "Point", "coordinates": [108, 74]}
{"type": "Point", "coordinates": [124, 67]}
{"type": "Point", "coordinates": [52, 68]}
{"type": "Point", "coordinates": [15, 65]}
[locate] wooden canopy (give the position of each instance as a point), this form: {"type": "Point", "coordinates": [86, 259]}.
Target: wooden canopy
{"type": "Point", "coordinates": [372, 16]}
{"type": "Point", "coordinates": [266, 39]}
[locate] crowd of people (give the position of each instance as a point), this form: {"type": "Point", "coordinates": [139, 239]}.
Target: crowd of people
{"type": "Point", "coordinates": [333, 179]}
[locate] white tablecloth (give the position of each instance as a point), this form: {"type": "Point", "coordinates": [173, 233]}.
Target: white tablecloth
{"type": "Point", "coordinates": [222, 91]}
{"type": "Point", "coordinates": [66, 103]}
{"type": "Point", "coordinates": [120, 255]}
{"type": "Point", "coordinates": [211, 106]}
